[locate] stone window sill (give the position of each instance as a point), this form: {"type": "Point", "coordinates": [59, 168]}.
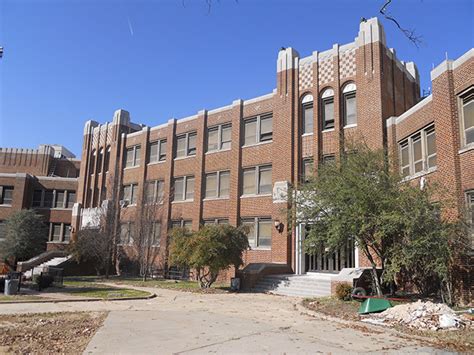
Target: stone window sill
{"type": "Point", "coordinates": [218, 151]}
{"type": "Point", "coordinates": [257, 144]}
{"type": "Point", "coordinates": [255, 195]}
{"type": "Point", "coordinates": [419, 174]}
{"type": "Point", "coordinates": [466, 148]}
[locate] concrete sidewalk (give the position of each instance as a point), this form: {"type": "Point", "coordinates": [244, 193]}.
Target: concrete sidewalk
{"type": "Point", "coordinates": [180, 322]}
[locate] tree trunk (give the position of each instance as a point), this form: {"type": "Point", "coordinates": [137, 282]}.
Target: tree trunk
{"type": "Point", "coordinates": [375, 277]}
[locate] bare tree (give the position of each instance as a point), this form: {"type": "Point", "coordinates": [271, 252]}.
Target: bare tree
{"type": "Point", "coordinates": [146, 238]}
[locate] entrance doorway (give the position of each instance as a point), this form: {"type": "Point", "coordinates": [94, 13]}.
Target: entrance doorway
{"type": "Point", "coordinates": [323, 261]}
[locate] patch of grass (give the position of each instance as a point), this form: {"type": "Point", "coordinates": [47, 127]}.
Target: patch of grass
{"type": "Point", "coordinates": [19, 298]}
{"type": "Point", "coordinates": [334, 307]}
{"type": "Point", "coordinates": [180, 285]}
{"type": "Point", "coordinates": [98, 290]}
{"type": "Point", "coordinates": [459, 340]}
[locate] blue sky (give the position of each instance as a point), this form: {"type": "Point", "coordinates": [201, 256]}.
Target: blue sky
{"type": "Point", "coordinates": [72, 60]}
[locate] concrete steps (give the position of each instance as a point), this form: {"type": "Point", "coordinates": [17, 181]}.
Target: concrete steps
{"type": "Point", "coordinates": [295, 285]}
{"type": "Point", "coordinates": [54, 262]}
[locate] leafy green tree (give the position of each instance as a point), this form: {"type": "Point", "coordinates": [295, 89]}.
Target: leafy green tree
{"type": "Point", "coordinates": [208, 251]}
{"type": "Point", "coordinates": [92, 246]}
{"type": "Point", "coordinates": [26, 236]}
{"type": "Point", "coordinates": [395, 224]}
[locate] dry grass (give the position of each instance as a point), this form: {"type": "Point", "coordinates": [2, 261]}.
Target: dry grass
{"type": "Point", "coordinates": [67, 333]}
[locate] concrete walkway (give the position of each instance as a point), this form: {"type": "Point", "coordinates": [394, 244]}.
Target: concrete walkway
{"type": "Point", "coordinates": [179, 322]}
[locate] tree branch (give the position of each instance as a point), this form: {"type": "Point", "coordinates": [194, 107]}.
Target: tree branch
{"type": "Point", "coordinates": [409, 33]}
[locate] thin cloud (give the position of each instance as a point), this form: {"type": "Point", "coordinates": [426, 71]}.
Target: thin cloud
{"type": "Point", "coordinates": [130, 26]}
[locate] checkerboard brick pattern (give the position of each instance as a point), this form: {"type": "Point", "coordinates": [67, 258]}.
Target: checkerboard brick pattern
{"type": "Point", "coordinates": [326, 71]}
{"type": "Point", "coordinates": [306, 76]}
{"type": "Point", "coordinates": [347, 66]}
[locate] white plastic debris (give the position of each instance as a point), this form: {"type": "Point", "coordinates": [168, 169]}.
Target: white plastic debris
{"type": "Point", "coordinates": [420, 315]}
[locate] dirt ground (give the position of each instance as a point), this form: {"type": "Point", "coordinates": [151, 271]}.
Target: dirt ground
{"type": "Point", "coordinates": [48, 333]}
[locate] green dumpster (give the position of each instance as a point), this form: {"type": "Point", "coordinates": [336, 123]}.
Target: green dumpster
{"type": "Point", "coordinates": [372, 305]}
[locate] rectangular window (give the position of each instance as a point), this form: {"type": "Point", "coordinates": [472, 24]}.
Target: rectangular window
{"type": "Point", "coordinates": [3, 230]}
{"type": "Point", "coordinates": [107, 160]}
{"type": "Point", "coordinates": [157, 151]}
{"type": "Point", "coordinates": [6, 195]}
{"type": "Point", "coordinates": [71, 199]}
{"type": "Point", "coordinates": [67, 233]}
{"type": "Point", "coordinates": [260, 232]}
{"type": "Point", "coordinates": [100, 160]}
{"type": "Point", "coordinates": [130, 193]}
{"type": "Point", "coordinates": [37, 198]}
{"type": "Point", "coordinates": [258, 129]}
{"type": "Point", "coordinates": [133, 156]}
{"type": "Point", "coordinates": [467, 122]}
{"type": "Point", "coordinates": [470, 210]}
{"type": "Point", "coordinates": [218, 138]}
{"type": "Point", "coordinates": [182, 224]}
{"type": "Point", "coordinates": [257, 180]}
{"type": "Point", "coordinates": [307, 170]}
{"type": "Point", "coordinates": [56, 232]}
{"type": "Point", "coordinates": [308, 118]}
{"type": "Point", "coordinates": [186, 145]}
{"type": "Point", "coordinates": [48, 198]}
{"type": "Point", "coordinates": [328, 113]}
{"type": "Point", "coordinates": [350, 109]}
{"type": "Point", "coordinates": [184, 188]}
{"type": "Point", "coordinates": [126, 233]}
{"type": "Point", "coordinates": [328, 158]}
{"type": "Point", "coordinates": [156, 234]}
{"type": "Point", "coordinates": [217, 184]}
{"type": "Point", "coordinates": [214, 221]}
{"type": "Point", "coordinates": [60, 199]}
{"type": "Point", "coordinates": [154, 191]}
{"type": "Point", "coordinates": [404, 159]}
{"type": "Point", "coordinates": [417, 153]}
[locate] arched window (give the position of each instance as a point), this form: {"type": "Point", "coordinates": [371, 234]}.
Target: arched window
{"type": "Point", "coordinates": [307, 113]}
{"type": "Point", "coordinates": [349, 102]}
{"type": "Point", "coordinates": [327, 108]}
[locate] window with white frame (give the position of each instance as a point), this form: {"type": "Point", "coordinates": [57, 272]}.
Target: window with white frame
{"type": "Point", "coordinates": [126, 233]}
{"type": "Point", "coordinates": [259, 232]}
{"type": "Point", "coordinates": [130, 193]}
{"type": "Point", "coordinates": [217, 184]}
{"type": "Point", "coordinates": [156, 234]}
{"type": "Point", "coordinates": [470, 211]}
{"type": "Point", "coordinates": [219, 137]}
{"type": "Point", "coordinates": [327, 109]}
{"type": "Point", "coordinates": [184, 188]}
{"type": "Point", "coordinates": [258, 129]}
{"type": "Point", "coordinates": [56, 231]}
{"type": "Point", "coordinates": [3, 230]}
{"type": "Point", "coordinates": [467, 113]}
{"type": "Point", "coordinates": [186, 145]}
{"type": "Point", "coordinates": [214, 221]}
{"type": "Point", "coordinates": [257, 180]}
{"type": "Point", "coordinates": [307, 169]}
{"type": "Point", "coordinates": [350, 106]}
{"type": "Point", "coordinates": [307, 114]}
{"type": "Point", "coordinates": [417, 153]}
{"type": "Point", "coordinates": [154, 192]}
{"type": "Point", "coordinates": [6, 195]}
{"type": "Point", "coordinates": [133, 156]}
{"type": "Point", "coordinates": [188, 224]}
{"type": "Point", "coordinates": [157, 151]}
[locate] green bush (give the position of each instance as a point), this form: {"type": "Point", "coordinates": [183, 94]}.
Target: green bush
{"type": "Point", "coordinates": [343, 291]}
{"type": "Point", "coordinates": [43, 281]}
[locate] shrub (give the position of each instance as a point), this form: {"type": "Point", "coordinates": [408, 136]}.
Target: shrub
{"type": "Point", "coordinates": [43, 281]}
{"type": "Point", "coordinates": [343, 291]}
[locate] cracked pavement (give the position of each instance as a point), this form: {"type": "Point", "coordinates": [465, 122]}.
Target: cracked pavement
{"type": "Point", "coordinates": [189, 323]}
